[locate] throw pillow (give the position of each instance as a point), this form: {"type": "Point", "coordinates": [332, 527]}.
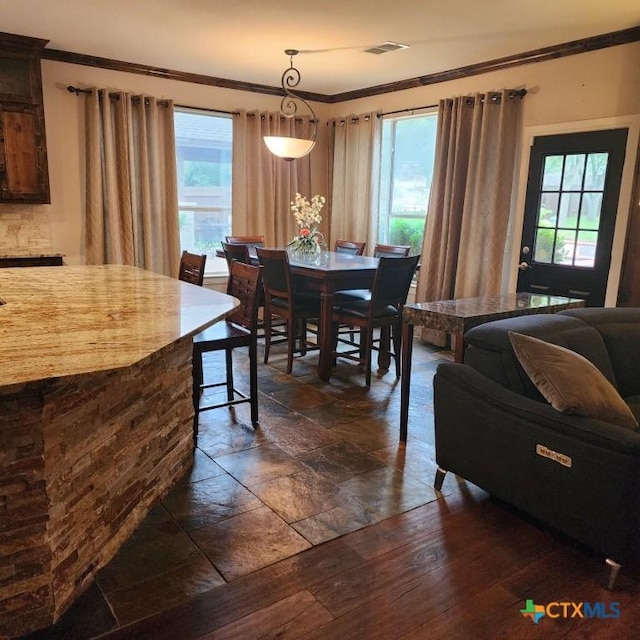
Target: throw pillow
{"type": "Point", "coordinates": [569, 382]}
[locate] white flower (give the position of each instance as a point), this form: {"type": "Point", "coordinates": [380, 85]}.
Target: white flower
{"type": "Point", "coordinates": [307, 214]}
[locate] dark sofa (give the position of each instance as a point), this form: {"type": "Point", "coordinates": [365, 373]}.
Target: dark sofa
{"type": "Point", "coordinates": [579, 475]}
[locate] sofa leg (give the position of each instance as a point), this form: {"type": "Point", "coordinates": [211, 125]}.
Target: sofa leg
{"type": "Point", "coordinates": [439, 479]}
{"type": "Point", "coordinates": [614, 568]}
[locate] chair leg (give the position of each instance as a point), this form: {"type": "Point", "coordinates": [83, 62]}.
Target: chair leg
{"type": "Point", "coordinates": [253, 381]}
{"type": "Point", "coordinates": [439, 479]}
{"type": "Point", "coordinates": [614, 569]}
{"type": "Point", "coordinates": [384, 348]}
{"type": "Point", "coordinates": [229, 364]}
{"type": "Point", "coordinates": [267, 335]}
{"type": "Point", "coordinates": [291, 343]}
{"type": "Point", "coordinates": [397, 346]}
{"type": "Point", "coordinates": [335, 328]}
{"type": "Point", "coordinates": [196, 384]}
{"type": "Point", "coordinates": [302, 333]}
{"type": "Point", "coordinates": [368, 334]}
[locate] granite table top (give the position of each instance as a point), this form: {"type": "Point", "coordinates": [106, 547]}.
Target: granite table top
{"type": "Point", "coordinates": [460, 315]}
{"type": "Point", "coordinates": [74, 320]}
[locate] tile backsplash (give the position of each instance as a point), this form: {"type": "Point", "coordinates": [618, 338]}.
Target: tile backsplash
{"type": "Point", "coordinates": [24, 227]}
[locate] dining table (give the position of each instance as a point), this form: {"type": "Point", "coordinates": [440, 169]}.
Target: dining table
{"type": "Point", "coordinates": [325, 273]}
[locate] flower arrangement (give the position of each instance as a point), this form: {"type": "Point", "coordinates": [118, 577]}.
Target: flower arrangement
{"type": "Point", "coordinates": [307, 215]}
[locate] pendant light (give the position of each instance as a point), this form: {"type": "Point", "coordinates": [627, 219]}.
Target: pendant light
{"type": "Point", "coordinates": [286, 147]}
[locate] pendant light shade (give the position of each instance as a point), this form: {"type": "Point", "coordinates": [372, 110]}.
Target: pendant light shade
{"type": "Point", "coordinates": [286, 147]}
{"type": "Point", "coordinates": [289, 148]}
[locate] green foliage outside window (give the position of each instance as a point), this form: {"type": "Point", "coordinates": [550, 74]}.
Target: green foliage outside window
{"type": "Point", "coordinates": [407, 231]}
{"type": "Point", "coordinates": [544, 247]}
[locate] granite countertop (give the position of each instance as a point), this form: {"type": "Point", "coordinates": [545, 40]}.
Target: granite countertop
{"type": "Point", "coordinates": [64, 321]}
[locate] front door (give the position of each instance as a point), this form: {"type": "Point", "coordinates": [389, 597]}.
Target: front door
{"type": "Point", "coordinates": [570, 214]}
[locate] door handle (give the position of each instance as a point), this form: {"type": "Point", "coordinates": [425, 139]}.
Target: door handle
{"type": "Point", "coordinates": [523, 266]}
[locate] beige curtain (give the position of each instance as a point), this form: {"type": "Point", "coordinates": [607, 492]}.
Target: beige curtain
{"type": "Point", "coordinates": [132, 197]}
{"type": "Point", "coordinates": [353, 165]}
{"type": "Point", "coordinates": [469, 206]}
{"type": "Point", "coordinates": [263, 184]}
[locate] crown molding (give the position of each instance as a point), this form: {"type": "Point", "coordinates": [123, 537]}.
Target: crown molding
{"type": "Point", "coordinates": [574, 47]}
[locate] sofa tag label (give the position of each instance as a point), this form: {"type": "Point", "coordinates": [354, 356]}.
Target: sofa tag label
{"type": "Point", "coordinates": [545, 452]}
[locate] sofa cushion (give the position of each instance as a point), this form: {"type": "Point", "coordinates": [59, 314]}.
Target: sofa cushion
{"type": "Point", "coordinates": [569, 382]}
{"type": "Point", "coordinates": [489, 349]}
{"type": "Point", "coordinates": [620, 331]}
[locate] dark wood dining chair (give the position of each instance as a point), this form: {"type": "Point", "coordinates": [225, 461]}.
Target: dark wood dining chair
{"type": "Point", "coordinates": [239, 252]}
{"type": "Point", "coordinates": [282, 302]}
{"type": "Point", "coordinates": [382, 311]}
{"type": "Point", "coordinates": [379, 251]}
{"type": "Point", "coordinates": [255, 241]}
{"type": "Point", "coordinates": [349, 246]}
{"type": "Point", "coordinates": [235, 331]}
{"type": "Point", "coordinates": [192, 268]}
{"type": "Point", "coordinates": [391, 251]}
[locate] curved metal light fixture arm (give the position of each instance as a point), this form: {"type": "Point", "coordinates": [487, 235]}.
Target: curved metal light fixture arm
{"type": "Point", "coordinates": [289, 103]}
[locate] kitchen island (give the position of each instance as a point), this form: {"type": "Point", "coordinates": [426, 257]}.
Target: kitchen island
{"type": "Point", "coordinates": [96, 421]}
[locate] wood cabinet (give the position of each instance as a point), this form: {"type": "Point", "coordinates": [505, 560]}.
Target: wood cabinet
{"type": "Point", "coordinates": [24, 175]}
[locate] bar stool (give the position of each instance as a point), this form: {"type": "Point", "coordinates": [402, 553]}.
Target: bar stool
{"type": "Point", "coordinates": [237, 330]}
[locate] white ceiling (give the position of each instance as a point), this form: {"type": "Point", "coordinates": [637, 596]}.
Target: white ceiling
{"type": "Point", "coordinates": [245, 39]}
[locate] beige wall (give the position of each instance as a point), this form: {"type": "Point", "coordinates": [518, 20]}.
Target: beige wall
{"type": "Point", "coordinates": [586, 86]}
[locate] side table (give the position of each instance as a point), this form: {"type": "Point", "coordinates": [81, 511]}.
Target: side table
{"type": "Point", "coordinates": [456, 317]}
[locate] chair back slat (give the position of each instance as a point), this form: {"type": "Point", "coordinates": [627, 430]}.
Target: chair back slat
{"type": "Point", "coordinates": [239, 252]}
{"type": "Point", "coordinates": [351, 247]}
{"type": "Point", "coordinates": [250, 241]}
{"type": "Point", "coordinates": [192, 268]}
{"type": "Point", "coordinates": [245, 282]}
{"type": "Point", "coordinates": [391, 251]}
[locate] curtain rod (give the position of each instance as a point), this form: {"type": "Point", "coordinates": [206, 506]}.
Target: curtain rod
{"type": "Point", "coordinates": [512, 93]}
{"type": "Point", "coordinates": [78, 91]}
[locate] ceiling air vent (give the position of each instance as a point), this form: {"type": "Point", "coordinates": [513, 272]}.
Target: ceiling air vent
{"type": "Point", "coordinates": [386, 47]}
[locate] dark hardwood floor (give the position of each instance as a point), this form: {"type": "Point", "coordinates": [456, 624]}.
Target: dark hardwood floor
{"type": "Point", "coordinates": [321, 525]}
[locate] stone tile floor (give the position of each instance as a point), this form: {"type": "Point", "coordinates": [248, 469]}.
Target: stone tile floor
{"type": "Point", "coordinates": [325, 461]}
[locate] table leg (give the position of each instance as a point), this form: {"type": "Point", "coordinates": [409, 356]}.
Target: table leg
{"type": "Point", "coordinates": [325, 339]}
{"type": "Point", "coordinates": [405, 375]}
{"type": "Point", "coordinates": [458, 350]}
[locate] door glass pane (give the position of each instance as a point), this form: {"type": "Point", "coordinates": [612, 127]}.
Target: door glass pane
{"type": "Point", "coordinates": [543, 247]}
{"type": "Point", "coordinates": [548, 211]}
{"type": "Point", "coordinates": [590, 210]}
{"type": "Point", "coordinates": [586, 249]}
{"type": "Point", "coordinates": [573, 172]}
{"type": "Point", "coordinates": [596, 171]}
{"type": "Point", "coordinates": [565, 245]}
{"type": "Point", "coordinates": [569, 208]}
{"type": "Point", "coordinates": [552, 174]}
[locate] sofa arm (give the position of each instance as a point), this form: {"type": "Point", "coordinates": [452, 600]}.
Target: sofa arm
{"type": "Point", "coordinates": [477, 390]}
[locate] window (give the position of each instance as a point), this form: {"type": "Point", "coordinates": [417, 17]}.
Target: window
{"type": "Point", "coordinates": [406, 170]}
{"type": "Point", "coordinates": [568, 222]}
{"type": "Point", "coordinates": [203, 156]}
